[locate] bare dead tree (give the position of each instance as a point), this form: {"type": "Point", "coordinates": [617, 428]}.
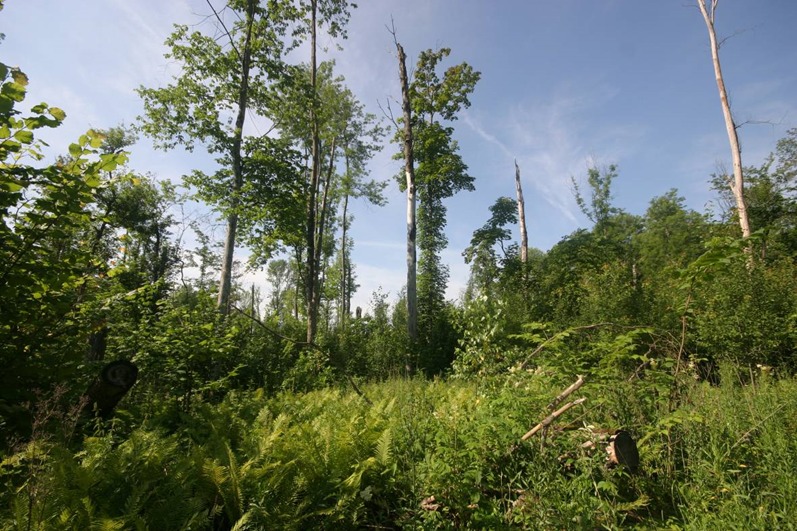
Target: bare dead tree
{"type": "Point", "coordinates": [709, 11]}
{"type": "Point", "coordinates": [521, 214]}
{"type": "Point", "coordinates": [409, 171]}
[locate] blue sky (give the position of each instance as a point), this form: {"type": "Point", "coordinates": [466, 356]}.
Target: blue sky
{"type": "Point", "coordinates": [565, 84]}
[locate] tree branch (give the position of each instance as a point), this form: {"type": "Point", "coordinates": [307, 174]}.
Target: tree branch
{"type": "Point", "coordinates": [232, 43]}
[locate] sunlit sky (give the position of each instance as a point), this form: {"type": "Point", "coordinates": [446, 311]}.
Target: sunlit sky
{"type": "Point", "coordinates": [565, 84]}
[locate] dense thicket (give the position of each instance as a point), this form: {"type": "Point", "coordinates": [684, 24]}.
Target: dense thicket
{"type": "Point", "coordinates": [685, 333]}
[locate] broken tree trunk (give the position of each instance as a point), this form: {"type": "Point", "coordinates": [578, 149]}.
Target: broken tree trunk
{"type": "Point", "coordinates": [567, 392]}
{"type": "Point", "coordinates": [737, 184]}
{"type": "Point", "coordinates": [521, 214]}
{"type": "Point", "coordinates": [556, 401]}
{"type": "Point", "coordinates": [409, 171]}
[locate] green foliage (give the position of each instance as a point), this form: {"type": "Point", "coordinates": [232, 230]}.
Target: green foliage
{"type": "Point", "coordinates": [47, 269]}
{"type": "Point", "coordinates": [440, 173]}
{"type": "Point", "coordinates": [486, 346]}
{"type": "Point", "coordinates": [744, 316]}
{"type": "Point", "coordinates": [481, 253]}
{"type": "Point", "coordinates": [600, 208]}
{"type": "Point", "coordinates": [426, 455]}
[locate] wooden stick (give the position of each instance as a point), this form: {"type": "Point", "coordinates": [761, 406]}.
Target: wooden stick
{"type": "Point", "coordinates": [567, 392]}
{"type": "Point", "coordinates": [550, 418]}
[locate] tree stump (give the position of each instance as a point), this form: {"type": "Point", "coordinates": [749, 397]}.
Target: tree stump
{"type": "Point", "coordinates": [115, 380]}
{"type": "Point", "coordinates": [622, 450]}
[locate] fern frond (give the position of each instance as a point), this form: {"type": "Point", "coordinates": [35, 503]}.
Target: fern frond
{"type": "Point", "coordinates": [383, 451]}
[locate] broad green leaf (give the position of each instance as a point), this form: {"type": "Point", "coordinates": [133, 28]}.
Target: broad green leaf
{"type": "Point", "coordinates": [6, 105]}
{"type": "Point", "coordinates": [92, 180]}
{"type": "Point", "coordinates": [57, 113]}
{"type": "Point", "coordinates": [96, 139]}
{"type": "Point", "coordinates": [15, 91]}
{"type": "Point", "coordinates": [24, 136]}
{"type": "Point", "coordinates": [12, 185]}
{"type": "Point", "coordinates": [19, 77]}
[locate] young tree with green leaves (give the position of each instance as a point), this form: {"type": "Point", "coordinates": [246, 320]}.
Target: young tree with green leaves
{"type": "Point", "coordinates": [334, 14]}
{"type": "Point", "coordinates": [47, 266]}
{"type": "Point", "coordinates": [481, 253]}
{"type": "Point", "coordinates": [344, 131]}
{"type": "Point", "coordinates": [221, 80]}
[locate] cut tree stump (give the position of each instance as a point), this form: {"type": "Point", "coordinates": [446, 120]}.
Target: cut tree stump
{"type": "Point", "coordinates": [115, 380]}
{"type": "Point", "coordinates": [622, 451]}
{"type": "Point", "coordinates": [621, 448]}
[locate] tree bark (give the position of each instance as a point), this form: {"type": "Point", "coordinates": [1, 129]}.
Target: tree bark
{"type": "Point", "coordinates": [345, 298]}
{"type": "Point", "coordinates": [737, 185]}
{"type": "Point", "coordinates": [521, 211]}
{"type": "Point", "coordinates": [225, 283]}
{"type": "Point", "coordinates": [409, 171]}
{"type": "Point", "coordinates": [312, 313]}
{"type": "Point", "coordinates": [321, 214]}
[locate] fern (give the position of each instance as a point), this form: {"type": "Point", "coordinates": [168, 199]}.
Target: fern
{"type": "Point", "coordinates": [383, 452]}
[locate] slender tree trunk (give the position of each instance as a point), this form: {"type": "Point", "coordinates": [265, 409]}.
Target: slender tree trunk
{"type": "Point", "coordinates": [225, 284]}
{"type": "Point", "coordinates": [344, 249]}
{"type": "Point", "coordinates": [521, 212]}
{"type": "Point", "coordinates": [323, 209]}
{"type": "Point", "coordinates": [312, 310]}
{"type": "Point", "coordinates": [737, 185]}
{"type": "Point", "coordinates": [344, 277]}
{"type": "Point", "coordinates": [409, 171]}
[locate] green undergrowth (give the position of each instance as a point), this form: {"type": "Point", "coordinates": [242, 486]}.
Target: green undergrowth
{"type": "Point", "coordinates": [422, 455]}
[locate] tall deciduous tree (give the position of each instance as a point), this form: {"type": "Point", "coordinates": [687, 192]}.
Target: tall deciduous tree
{"type": "Point", "coordinates": [440, 173]}
{"type": "Point", "coordinates": [221, 79]}
{"type": "Point", "coordinates": [334, 14]}
{"type": "Point", "coordinates": [709, 11]}
{"type": "Point", "coordinates": [344, 131]}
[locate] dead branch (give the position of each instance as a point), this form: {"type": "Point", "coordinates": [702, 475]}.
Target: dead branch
{"type": "Point", "coordinates": [550, 418]}
{"type": "Point", "coordinates": [567, 392]}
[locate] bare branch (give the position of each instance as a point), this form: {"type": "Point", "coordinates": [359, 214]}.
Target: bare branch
{"type": "Point", "coordinates": [550, 418]}
{"type": "Point", "coordinates": [221, 21]}
{"type": "Point", "coordinates": [721, 42]}
{"type": "Point", "coordinates": [388, 113]}
{"type": "Point", "coordinates": [567, 392]}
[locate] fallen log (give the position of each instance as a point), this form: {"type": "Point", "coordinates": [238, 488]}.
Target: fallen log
{"type": "Point", "coordinates": [567, 392]}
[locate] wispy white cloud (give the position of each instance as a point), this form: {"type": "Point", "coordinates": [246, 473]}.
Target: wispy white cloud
{"type": "Point", "coordinates": [553, 139]}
